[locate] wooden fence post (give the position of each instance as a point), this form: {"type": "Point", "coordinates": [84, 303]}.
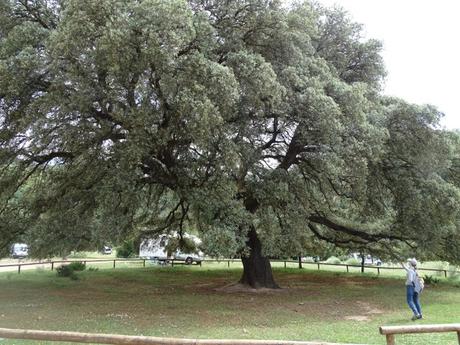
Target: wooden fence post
{"type": "Point", "coordinates": [144, 262]}
{"type": "Point", "coordinates": [378, 270]}
{"type": "Point", "coordinates": [318, 266]}
{"type": "Point", "coordinates": [458, 335]}
{"type": "Point", "coordinates": [284, 264]}
{"type": "Point", "coordinates": [52, 265]}
{"type": "Point", "coordinates": [114, 263]}
{"type": "Point", "coordinates": [348, 269]}
{"type": "Point", "coordinates": [19, 269]}
{"type": "Point", "coordinates": [390, 339]}
{"type": "Point", "coordinates": [445, 273]}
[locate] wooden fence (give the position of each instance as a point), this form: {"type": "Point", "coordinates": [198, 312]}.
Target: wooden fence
{"type": "Point", "coordinates": [77, 337]}
{"type": "Point", "coordinates": [138, 340]}
{"type": "Point", "coordinates": [377, 269]}
{"type": "Point", "coordinates": [390, 331]}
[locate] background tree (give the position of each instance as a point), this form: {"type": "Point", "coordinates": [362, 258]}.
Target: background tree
{"type": "Point", "coordinates": [261, 126]}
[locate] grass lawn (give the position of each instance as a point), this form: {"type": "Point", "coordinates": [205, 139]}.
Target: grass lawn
{"type": "Point", "coordinates": [188, 302]}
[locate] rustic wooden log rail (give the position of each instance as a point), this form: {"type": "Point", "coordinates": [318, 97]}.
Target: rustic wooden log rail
{"type": "Point", "coordinates": [78, 337]}
{"type": "Point", "coordinates": [390, 331]}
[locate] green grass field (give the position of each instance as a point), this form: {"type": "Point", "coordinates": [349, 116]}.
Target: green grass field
{"type": "Point", "coordinates": [189, 302]}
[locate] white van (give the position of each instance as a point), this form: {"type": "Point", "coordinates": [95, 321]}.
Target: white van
{"type": "Point", "coordinates": [155, 249]}
{"type": "Point", "coordinates": [19, 250]}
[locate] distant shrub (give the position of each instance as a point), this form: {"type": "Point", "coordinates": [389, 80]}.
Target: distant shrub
{"type": "Point", "coordinates": [77, 266]}
{"type": "Point", "coordinates": [353, 261]}
{"type": "Point", "coordinates": [64, 271]}
{"type": "Point", "coordinates": [333, 260]}
{"type": "Point", "coordinates": [126, 250]}
{"type": "Point", "coordinates": [69, 270]}
{"type": "Point", "coordinates": [73, 276]}
{"type": "Point", "coordinates": [93, 269]}
{"type": "Point", "coordinates": [430, 280]}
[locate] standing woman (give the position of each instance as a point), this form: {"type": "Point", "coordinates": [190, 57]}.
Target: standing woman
{"type": "Point", "coordinates": [412, 288]}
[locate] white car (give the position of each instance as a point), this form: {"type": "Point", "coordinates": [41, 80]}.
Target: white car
{"type": "Point", "coordinates": [19, 251]}
{"type": "Point", "coordinates": [106, 250]}
{"type": "Point", "coordinates": [189, 258]}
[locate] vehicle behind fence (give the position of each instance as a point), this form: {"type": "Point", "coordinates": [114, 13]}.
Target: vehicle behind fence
{"type": "Point", "coordinates": [51, 264]}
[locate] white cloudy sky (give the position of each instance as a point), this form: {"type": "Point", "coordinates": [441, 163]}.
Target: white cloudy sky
{"type": "Point", "coordinates": [421, 48]}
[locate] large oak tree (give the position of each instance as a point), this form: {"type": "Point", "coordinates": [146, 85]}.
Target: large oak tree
{"type": "Point", "coordinates": [259, 125]}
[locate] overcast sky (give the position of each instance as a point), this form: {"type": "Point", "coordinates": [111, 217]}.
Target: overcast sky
{"type": "Point", "coordinates": [421, 41]}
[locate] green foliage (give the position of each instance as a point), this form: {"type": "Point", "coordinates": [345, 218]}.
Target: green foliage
{"type": "Point", "coordinates": [70, 269]}
{"type": "Point", "coordinates": [431, 280]}
{"type": "Point", "coordinates": [185, 245]}
{"type": "Point", "coordinates": [125, 119]}
{"type": "Point", "coordinates": [77, 266]}
{"type": "Point", "coordinates": [66, 271]}
{"type": "Point", "coordinates": [126, 250]}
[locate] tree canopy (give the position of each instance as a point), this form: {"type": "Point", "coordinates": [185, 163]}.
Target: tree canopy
{"type": "Point", "coordinates": [261, 126]}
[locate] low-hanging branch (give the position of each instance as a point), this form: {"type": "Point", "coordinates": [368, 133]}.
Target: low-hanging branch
{"type": "Point", "coordinates": [369, 237]}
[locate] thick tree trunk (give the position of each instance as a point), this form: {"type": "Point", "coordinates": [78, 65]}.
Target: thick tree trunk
{"type": "Point", "coordinates": [257, 271]}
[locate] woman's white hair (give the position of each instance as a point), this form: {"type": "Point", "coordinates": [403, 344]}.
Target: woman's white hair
{"type": "Point", "coordinates": [413, 262]}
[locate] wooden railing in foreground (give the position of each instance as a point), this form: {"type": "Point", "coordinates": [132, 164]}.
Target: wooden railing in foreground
{"type": "Point", "coordinates": [390, 331]}
{"type": "Point", "coordinates": [137, 340]}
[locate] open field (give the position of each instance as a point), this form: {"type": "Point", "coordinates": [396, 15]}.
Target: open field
{"type": "Point", "coordinates": [188, 302]}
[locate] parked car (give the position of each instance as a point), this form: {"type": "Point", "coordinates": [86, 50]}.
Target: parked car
{"type": "Point", "coordinates": [368, 259]}
{"type": "Point", "coordinates": [106, 250]}
{"type": "Point", "coordinates": [155, 248]}
{"type": "Point", "coordinates": [310, 258]}
{"type": "Point", "coordinates": [19, 250]}
{"type": "Point", "coordinates": [189, 258]}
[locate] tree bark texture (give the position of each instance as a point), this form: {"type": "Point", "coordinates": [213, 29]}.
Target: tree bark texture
{"type": "Point", "coordinates": [257, 271]}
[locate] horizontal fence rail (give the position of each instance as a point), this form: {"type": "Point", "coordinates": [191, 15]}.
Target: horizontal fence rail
{"type": "Point", "coordinates": [78, 337]}
{"type": "Point", "coordinates": [391, 331]}
{"type": "Point", "coordinates": [173, 262]}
